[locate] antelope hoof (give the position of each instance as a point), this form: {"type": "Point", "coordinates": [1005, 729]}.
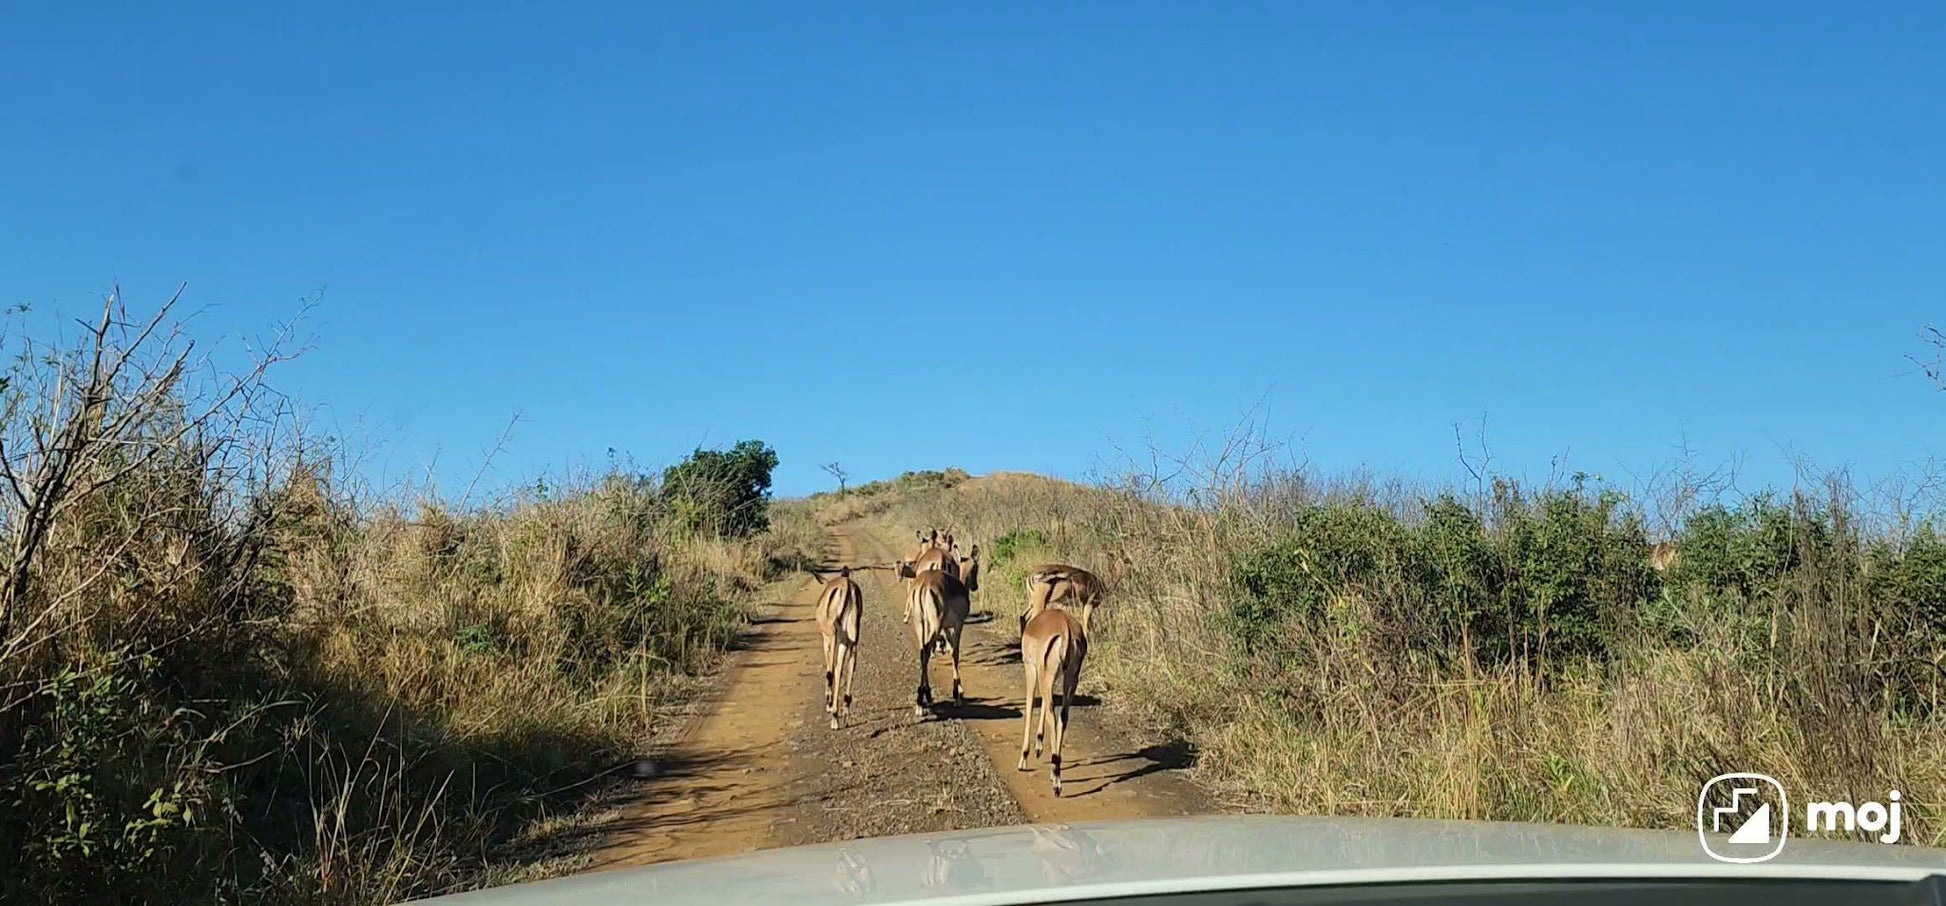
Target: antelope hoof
{"type": "Point", "coordinates": [1022, 765]}
{"type": "Point", "coordinates": [834, 722]}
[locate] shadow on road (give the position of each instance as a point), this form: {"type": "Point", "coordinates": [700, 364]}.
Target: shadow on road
{"type": "Point", "coordinates": [979, 709]}
{"type": "Point", "coordinates": [992, 709]}
{"type": "Point", "coordinates": [1170, 756]}
{"type": "Point", "coordinates": [987, 654]}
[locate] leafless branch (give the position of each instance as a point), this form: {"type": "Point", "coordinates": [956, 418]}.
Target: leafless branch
{"type": "Point", "coordinates": [499, 446]}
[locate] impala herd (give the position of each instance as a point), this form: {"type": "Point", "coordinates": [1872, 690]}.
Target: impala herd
{"type": "Point", "coordinates": [938, 584]}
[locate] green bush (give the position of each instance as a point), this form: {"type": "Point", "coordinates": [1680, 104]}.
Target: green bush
{"type": "Point", "coordinates": [119, 786]}
{"type": "Point", "coordinates": [1555, 574]}
{"type": "Point", "coordinates": [1911, 577]}
{"type": "Point", "coordinates": [1328, 551]}
{"type": "Point", "coordinates": [1463, 567]}
{"type": "Point", "coordinates": [1742, 551]}
{"type": "Point", "coordinates": [725, 493]}
{"type": "Point", "coordinates": [1576, 572]}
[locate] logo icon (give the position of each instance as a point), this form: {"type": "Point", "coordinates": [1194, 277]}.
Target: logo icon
{"type": "Point", "coordinates": [1752, 809]}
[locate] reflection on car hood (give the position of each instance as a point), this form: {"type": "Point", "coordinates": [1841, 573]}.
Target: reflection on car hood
{"type": "Point", "coordinates": [1042, 863]}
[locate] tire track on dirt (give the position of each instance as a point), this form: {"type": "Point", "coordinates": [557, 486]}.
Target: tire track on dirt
{"type": "Point", "coordinates": [718, 789]}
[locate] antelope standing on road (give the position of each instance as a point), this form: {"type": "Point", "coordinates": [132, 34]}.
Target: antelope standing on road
{"type": "Point", "coordinates": [1053, 643]}
{"type": "Point", "coordinates": [941, 559]}
{"type": "Point", "coordinates": [967, 570]}
{"type": "Point", "coordinates": [937, 539]}
{"type": "Point", "coordinates": [927, 541]}
{"type": "Point", "coordinates": [938, 551]}
{"type": "Point", "coordinates": [929, 554]}
{"type": "Point", "coordinates": [946, 560]}
{"type": "Point", "coordinates": [937, 603]}
{"type": "Point", "coordinates": [841, 610]}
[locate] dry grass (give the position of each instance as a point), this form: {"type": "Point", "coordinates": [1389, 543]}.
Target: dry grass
{"type": "Point", "coordinates": [225, 675]}
{"type": "Point", "coordinates": [876, 497]}
{"type": "Point", "coordinates": [1343, 718]}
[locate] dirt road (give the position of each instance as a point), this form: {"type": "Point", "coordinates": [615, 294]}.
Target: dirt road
{"type": "Point", "coordinates": [760, 768]}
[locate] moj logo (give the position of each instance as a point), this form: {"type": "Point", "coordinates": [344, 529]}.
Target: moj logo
{"type": "Point", "coordinates": [1747, 818]}
{"type": "Point", "coordinates": [1870, 817]}
{"type": "Point", "coordinates": [1752, 809]}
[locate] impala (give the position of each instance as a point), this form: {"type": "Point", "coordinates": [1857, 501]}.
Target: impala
{"type": "Point", "coordinates": [1663, 555]}
{"type": "Point", "coordinates": [1058, 584]}
{"type": "Point", "coordinates": [1053, 643]}
{"type": "Point", "coordinates": [932, 552]}
{"type": "Point", "coordinates": [967, 568]}
{"type": "Point", "coordinates": [841, 610]}
{"type": "Point", "coordinates": [940, 559]}
{"type": "Point", "coordinates": [936, 604]}
{"type": "Point", "coordinates": [927, 541]}
{"type": "Point", "coordinates": [948, 561]}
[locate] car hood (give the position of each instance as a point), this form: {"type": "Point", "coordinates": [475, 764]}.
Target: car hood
{"type": "Point", "coordinates": [1043, 863]}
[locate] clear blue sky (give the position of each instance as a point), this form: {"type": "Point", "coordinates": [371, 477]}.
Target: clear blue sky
{"type": "Point", "coordinates": [907, 235]}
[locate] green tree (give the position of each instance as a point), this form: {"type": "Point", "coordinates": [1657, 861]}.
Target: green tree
{"type": "Point", "coordinates": [722, 492]}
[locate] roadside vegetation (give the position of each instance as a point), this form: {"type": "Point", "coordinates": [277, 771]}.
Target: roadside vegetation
{"type": "Point", "coordinates": [228, 673]}
{"type": "Point", "coordinates": [1505, 652]}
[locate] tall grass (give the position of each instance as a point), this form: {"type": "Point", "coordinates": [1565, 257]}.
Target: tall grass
{"type": "Point", "coordinates": [1352, 647]}
{"type": "Point", "coordinates": [225, 674]}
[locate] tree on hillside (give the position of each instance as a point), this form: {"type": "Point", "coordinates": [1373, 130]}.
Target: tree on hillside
{"type": "Point", "coordinates": [835, 470]}
{"type": "Point", "coordinates": [722, 492]}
